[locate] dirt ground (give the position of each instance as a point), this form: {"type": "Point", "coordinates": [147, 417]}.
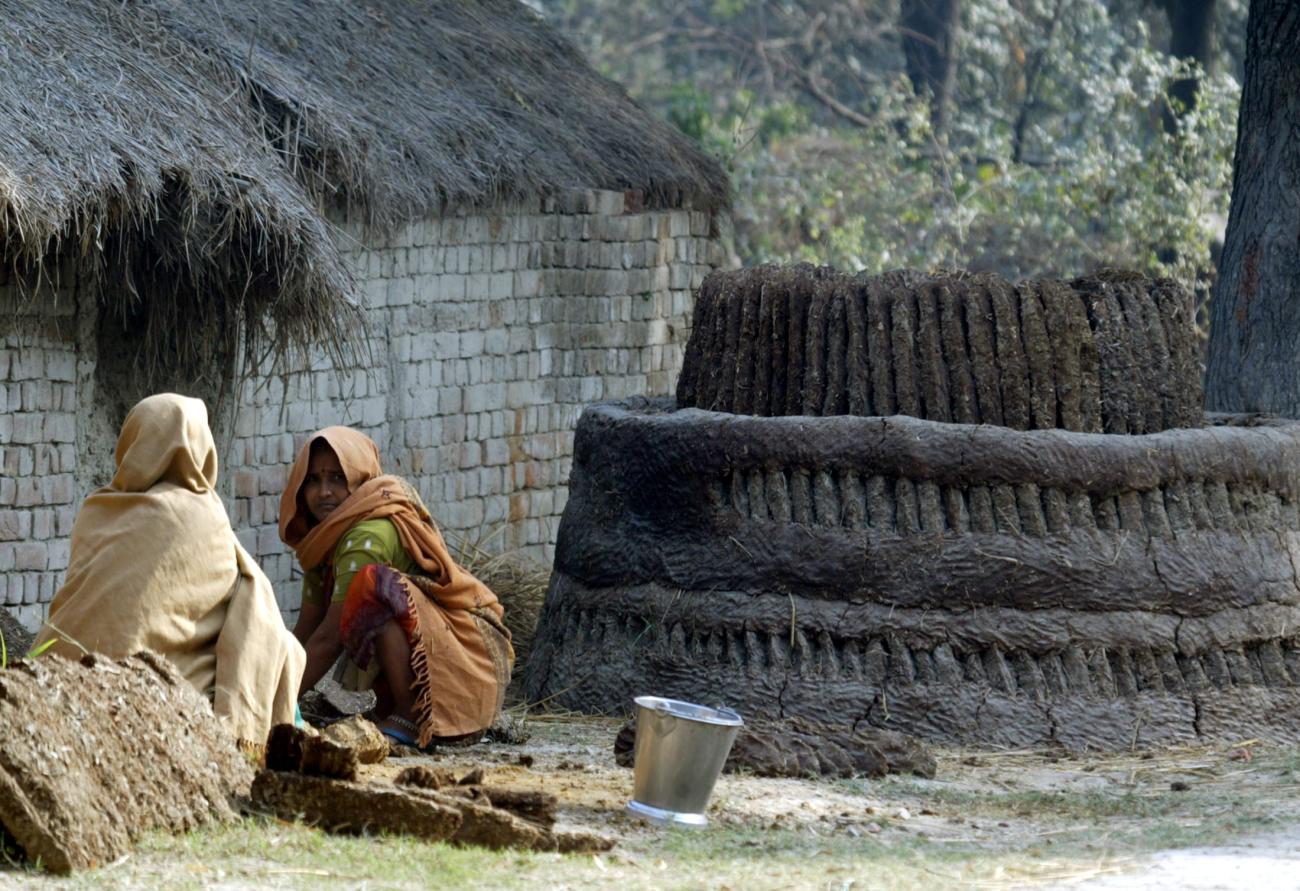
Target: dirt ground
{"type": "Point", "coordinates": [573, 760]}
{"type": "Point", "coordinates": [1225, 817]}
{"type": "Point", "coordinates": [1118, 820]}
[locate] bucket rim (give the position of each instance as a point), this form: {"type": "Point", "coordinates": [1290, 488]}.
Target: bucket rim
{"type": "Point", "coordinates": [690, 711]}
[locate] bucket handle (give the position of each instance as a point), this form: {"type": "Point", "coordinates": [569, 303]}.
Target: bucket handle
{"type": "Point", "coordinates": [667, 720]}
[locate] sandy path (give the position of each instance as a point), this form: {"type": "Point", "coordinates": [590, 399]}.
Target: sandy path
{"type": "Point", "coordinates": [1259, 863]}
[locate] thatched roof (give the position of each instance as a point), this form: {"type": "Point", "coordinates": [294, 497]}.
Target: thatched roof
{"type": "Point", "coordinates": [189, 151]}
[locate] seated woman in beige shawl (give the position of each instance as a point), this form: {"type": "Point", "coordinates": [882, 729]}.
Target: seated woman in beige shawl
{"type": "Point", "coordinates": [155, 565]}
{"type": "Point", "coordinates": [379, 583]}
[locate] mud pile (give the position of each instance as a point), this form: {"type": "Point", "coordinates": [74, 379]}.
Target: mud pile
{"type": "Point", "coordinates": [95, 753]}
{"type": "Point", "coordinates": [969, 583]}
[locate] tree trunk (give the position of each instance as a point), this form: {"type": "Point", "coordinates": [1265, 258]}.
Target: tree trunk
{"type": "Point", "coordinates": [929, 29]}
{"type": "Point", "coordinates": [1191, 36]}
{"type": "Point", "coordinates": [1254, 354]}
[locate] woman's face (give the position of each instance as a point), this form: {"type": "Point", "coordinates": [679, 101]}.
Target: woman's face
{"type": "Point", "coordinates": [326, 486]}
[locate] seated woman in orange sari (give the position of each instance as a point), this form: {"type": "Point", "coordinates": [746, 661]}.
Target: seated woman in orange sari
{"type": "Point", "coordinates": [379, 583]}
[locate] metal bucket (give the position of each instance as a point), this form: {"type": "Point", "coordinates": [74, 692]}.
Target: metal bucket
{"type": "Point", "coordinates": [679, 752]}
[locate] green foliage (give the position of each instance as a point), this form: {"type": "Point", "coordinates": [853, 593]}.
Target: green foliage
{"type": "Point", "coordinates": [889, 195]}
{"type": "Point", "coordinates": [35, 653]}
{"type": "Point", "coordinates": [1056, 161]}
{"type": "Point", "coordinates": [780, 120]}
{"type": "Point", "coordinates": [730, 9]}
{"type": "Point", "coordinates": [729, 131]}
{"type": "Point", "coordinates": [689, 110]}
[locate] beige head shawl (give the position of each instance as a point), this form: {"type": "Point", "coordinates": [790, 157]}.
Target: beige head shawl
{"type": "Point", "coordinates": [155, 565]}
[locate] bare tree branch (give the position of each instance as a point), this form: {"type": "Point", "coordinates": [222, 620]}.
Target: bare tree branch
{"type": "Point", "coordinates": [813, 86]}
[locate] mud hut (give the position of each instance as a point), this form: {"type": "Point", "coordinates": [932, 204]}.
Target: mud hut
{"type": "Point", "coordinates": [433, 221]}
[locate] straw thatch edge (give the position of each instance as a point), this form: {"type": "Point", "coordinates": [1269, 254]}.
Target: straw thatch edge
{"type": "Point", "coordinates": [183, 162]}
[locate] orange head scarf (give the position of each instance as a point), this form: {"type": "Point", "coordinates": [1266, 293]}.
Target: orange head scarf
{"type": "Point", "coordinates": [359, 457]}
{"type": "Point", "coordinates": [374, 495]}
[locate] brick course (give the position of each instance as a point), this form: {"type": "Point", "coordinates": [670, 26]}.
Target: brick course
{"type": "Point", "coordinates": [38, 360]}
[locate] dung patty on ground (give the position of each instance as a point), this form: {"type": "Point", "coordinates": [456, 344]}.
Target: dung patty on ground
{"type": "Point", "coordinates": [96, 752]}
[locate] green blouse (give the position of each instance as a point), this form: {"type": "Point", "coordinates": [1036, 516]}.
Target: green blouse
{"type": "Point", "coordinates": [370, 541]}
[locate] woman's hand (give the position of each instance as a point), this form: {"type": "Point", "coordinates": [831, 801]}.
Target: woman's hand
{"type": "Point", "coordinates": [323, 647]}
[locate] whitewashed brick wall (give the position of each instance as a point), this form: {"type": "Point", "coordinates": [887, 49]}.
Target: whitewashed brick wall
{"type": "Point", "coordinates": [38, 454]}
{"type": "Point", "coordinates": [489, 332]}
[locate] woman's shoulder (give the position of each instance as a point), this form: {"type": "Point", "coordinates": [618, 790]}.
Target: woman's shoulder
{"type": "Point", "coordinates": [377, 533]}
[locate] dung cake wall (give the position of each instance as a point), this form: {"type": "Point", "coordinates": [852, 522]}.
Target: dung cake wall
{"type": "Point", "coordinates": [1113, 352]}
{"type": "Point", "coordinates": [1128, 583]}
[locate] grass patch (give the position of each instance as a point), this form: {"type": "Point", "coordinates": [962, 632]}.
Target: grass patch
{"type": "Point", "coordinates": [262, 852]}
{"type": "Point", "coordinates": [253, 853]}
{"type": "Point", "coordinates": [266, 854]}
{"type": "Point", "coordinates": [1137, 814]}
{"type": "Point", "coordinates": [1040, 804]}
